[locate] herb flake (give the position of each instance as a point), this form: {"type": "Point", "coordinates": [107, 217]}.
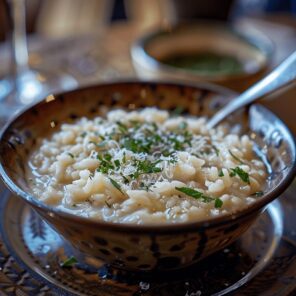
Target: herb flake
{"type": "Point", "coordinates": [217, 151]}
{"type": "Point", "coordinates": [107, 204]}
{"type": "Point", "coordinates": [177, 111]}
{"type": "Point", "coordinates": [115, 184]}
{"type": "Point", "coordinates": [244, 176]}
{"type": "Point", "coordinates": [235, 157]}
{"type": "Point", "coordinates": [221, 174]}
{"type": "Point", "coordinates": [69, 262]}
{"type": "Point", "coordinates": [258, 194]}
{"type": "Point", "coordinates": [199, 195]}
{"type": "Point", "coordinates": [190, 192]}
{"type": "Point", "coordinates": [218, 203]}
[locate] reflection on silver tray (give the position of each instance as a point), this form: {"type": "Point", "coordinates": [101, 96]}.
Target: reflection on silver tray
{"type": "Point", "coordinates": [262, 261]}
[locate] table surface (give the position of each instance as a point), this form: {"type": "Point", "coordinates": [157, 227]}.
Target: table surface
{"type": "Point", "coordinates": [106, 57]}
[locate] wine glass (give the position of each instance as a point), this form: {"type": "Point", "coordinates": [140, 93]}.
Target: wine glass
{"type": "Point", "coordinates": [25, 84]}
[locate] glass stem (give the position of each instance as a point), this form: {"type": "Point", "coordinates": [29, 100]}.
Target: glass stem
{"type": "Point", "coordinates": [20, 55]}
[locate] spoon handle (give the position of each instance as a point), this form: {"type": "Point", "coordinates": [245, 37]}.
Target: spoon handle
{"type": "Point", "coordinates": [279, 77]}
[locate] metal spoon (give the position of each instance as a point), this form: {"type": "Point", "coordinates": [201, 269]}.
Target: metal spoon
{"type": "Point", "coordinates": [284, 74]}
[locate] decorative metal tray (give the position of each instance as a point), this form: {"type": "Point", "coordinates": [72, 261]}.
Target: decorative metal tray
{"type": "Point", "coordinates": [261, 262]}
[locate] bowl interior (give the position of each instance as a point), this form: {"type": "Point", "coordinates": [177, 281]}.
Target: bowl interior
{"type": "Point", "coordinates": [272, 137]}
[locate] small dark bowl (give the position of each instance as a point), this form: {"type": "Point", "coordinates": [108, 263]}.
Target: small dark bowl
{"type": "Point", "coordinates": [252, 49]}
{"type": "Point", "coordinates": [145, 247]}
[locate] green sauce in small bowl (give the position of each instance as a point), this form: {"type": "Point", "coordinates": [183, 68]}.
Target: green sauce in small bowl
{"type": "Point", "coordinates": [206, 63]}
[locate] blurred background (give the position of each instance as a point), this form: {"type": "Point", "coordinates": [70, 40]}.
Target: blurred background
{"type": "Point", "coordinates": [91, 40]}
{"type": "Point", "coordinates": [62, 18]}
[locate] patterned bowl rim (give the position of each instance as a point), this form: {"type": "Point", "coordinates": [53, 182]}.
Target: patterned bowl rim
{"type": "Point", "coordinates": [256, 39]}
{"type": "Point", "coordinates": [168, 228]}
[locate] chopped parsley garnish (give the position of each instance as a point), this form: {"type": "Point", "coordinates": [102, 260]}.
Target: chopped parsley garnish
{"type": "Point", "coordinates": [136, 124]}
{"type": "Point", "coordinates": [115, 184]}
{"type": "Point", "coordinates": [107, 204]}
{"type": "Point", "coordinates": [71, 155]}
{"type": "Point", "coordinates": [217, 151]}
{"type": "Point", "coordinates": [105, 163]}
{"type": "Point", "coordinates": [199, 195]}
{"type": "Point", "coordinates": [145, 167]}
{"type": "Point", "coordinates": [69, 262]}
{"type": "Point", "coordinates": [108, 156]}
{"type": "Point", "coordinates": [117, 163]}
{"type": "Point", "coordinates": [244, 176]}
{"type": "Point", "coordinates": [221, 174]}
{"type": "Point", "coordinates": [124, 157]}
{"type": "Point", "coordinates": [122, 127]}
{"type": "Point", "coordinates": [154, 145]}
{"type": "Point", "coordinates": [191, 192]}
{"type": "Point", "coordinates": [125, 179]}
{"type": "Point", "coordinates": [135, 145]}
{"type": "Point", "coordinates": [154, 125]}
{"type": "Point", "coordinates": [218, 203]}
{"type": "Point", "coordinates": [235, 157]}
{"type": "Point", "coordinates": [102, 137]}
{"type": "Point", "coordinates": [177, 111]}
{"type": "Point", "coordinates": [147, 137]}
{"type": "Point", "coordinates": [258, 194]}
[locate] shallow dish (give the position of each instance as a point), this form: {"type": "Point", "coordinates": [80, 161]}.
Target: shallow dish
{"type": "Point", "coordinates": [252, 50]}
{"type": "Point", "coordinates": [144, 247]}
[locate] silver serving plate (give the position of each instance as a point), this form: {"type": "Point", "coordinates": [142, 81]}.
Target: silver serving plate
{"type": "Point", "coordinates": [263, 260]}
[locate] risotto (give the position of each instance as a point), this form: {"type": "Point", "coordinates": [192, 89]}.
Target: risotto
{"type": "Point", "coordinates": [146, 167]}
